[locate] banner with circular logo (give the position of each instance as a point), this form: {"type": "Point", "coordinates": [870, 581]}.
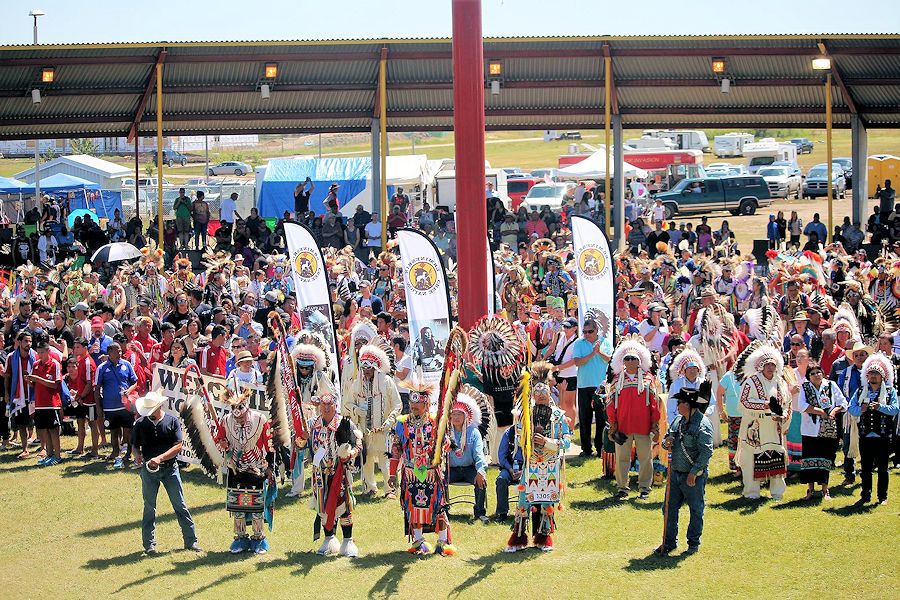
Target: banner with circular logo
{"type": "Point", "coordinates": [311, 285]}
{"type": "Point", "coordinates": [595, 277]}
{"type": "Point", "coordinates": [427, 305]}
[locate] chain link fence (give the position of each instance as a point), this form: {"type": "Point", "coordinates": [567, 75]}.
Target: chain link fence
{"type": "Point", "coordinates": [214, 194]}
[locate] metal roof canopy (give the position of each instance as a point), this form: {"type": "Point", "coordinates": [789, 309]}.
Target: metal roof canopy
{"type": "Point", "coordinates": [556, 82]}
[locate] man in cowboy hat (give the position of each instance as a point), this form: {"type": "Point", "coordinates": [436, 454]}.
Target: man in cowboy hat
{"type": "Point", "coordinates": [800, 323]}
{"type": "Point", "coordinates": [156, 441]}
{"type": "Point", "coordinates": [850, 379]}
{"type": "Point", "coordinates": [690, 439]}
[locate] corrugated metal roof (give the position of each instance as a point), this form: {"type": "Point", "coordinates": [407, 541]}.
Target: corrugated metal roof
{"type": "Point", "coordinates": [336, 80]}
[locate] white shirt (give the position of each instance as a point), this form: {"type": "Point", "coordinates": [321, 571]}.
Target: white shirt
{"type": "Point", "coordinates": [659, 213]}
{"type": "Point", "coordinates": [44, 244]}
{"type": "Point", "coordinates": [227, 211]}
{"type": "Point", "coordinates": [373, 235]}
{"type": "Point", "coordinates": [570, 371]}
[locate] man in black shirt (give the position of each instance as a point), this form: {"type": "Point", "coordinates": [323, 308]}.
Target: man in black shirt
{"type": "Point", "coordinates": [301, 197]}
{"type": "Point", "coordinates": [156, 440]}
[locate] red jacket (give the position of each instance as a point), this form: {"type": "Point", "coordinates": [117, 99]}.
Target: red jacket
{"type": "Point", "coordinates": [632, 411]}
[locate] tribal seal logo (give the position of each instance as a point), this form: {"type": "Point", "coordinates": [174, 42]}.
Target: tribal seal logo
{"type": "Point", "coordinates": [423, 276]}
{"type": "Point", "coordinates": [591, 262]}
{"type": "Point", "coordinates": [305, 265]}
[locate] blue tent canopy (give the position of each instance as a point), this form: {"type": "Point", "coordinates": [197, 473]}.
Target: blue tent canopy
{"type": "Point", "coordinates": [8, 185]}
{"type": "Point", "coordinates": [62, 183]}
{"type": "Point", "coordinates": [283, 175]}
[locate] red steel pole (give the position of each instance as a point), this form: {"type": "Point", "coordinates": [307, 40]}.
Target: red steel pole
{"type": "Point", "coordinates": [468, 126]}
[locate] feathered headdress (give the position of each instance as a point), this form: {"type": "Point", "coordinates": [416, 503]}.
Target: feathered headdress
{"type": "Point", "coordinates": [765, 354]}
{"type": "Point", "coordinates": [314, 338]}
{"type": "Point", "coordinates": [880, 363]}
{"type": "Point", "coordinates": [363, 330]}
{"type": "Point", "coordinates": [307, 355]}
{"type": "Point", "coordinates": [466, 404]}
{"type": "Point", "coordinates": [28, 270]}
{"type": "Point", "coordinates": [371, 356]}
{"type": "Point", "coordinates": [494, 346]}
{"type": "Point", "coordinates": [764, 323]}
{"type": "Point", "coordinates": [631, 345]}
{"type": "Point", "coordinates": [543, 245]}
{"type": "Point", "coordinates": [845, 320]}
{"type": "Point", "coordinates": [152, 257]}
{"type": "Point", "coordinates": [680, 363]}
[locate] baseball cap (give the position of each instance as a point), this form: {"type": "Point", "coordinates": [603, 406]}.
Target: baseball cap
{"type": "Point", "coordinates": [570, 322]}
{"type": "Point", "coordinates": [81, 306]}
{"type": "Point", "coordinates": [97, 322]}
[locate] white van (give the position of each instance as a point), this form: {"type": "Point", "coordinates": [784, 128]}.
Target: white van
{"type": "Point", "coordinates": [768, 150]}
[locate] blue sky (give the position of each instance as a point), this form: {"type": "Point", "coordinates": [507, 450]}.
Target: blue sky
{"type": "Point", "coordinates": [70, 21]}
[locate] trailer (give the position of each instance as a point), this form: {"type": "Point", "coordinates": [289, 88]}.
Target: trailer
{"type": "Point", "coordinates": [731, 144]}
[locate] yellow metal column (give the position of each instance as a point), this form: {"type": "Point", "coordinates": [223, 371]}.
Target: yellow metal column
{"type": "Point", "coordinates": [607, 112]}
{"type": "Point", "coordinates": [830, 235]}
{"type": "Point", "coordinates": [159, 150]}
{"type": "Point", "coordinates": [382, 118]}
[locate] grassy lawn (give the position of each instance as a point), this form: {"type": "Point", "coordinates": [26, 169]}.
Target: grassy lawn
{"type": "Point", "coordinates": [74, 530]}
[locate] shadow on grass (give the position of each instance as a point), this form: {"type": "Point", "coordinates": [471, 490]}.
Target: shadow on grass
{"type": "Point", "coordinates": [602, 504]}
{"type": "Point", "coordinates": [654, 562]}
{"type": "Point", "coordinates": [488, 564]}
{"type": "Point", "coordinates": [180, 568]}
{"type": "Point", "coordinates": [857, 508]}
{"type": "Point", "coordinates": [209, 586]}
{"type": "Point", "coordinates": [799, 503]}
{"type": "Point", "coordinates": [398, 564]}
{"type": "Point", "coordinates": [746, 506]}
{"type": "Point", "coordinates": [136, 525]}
{"type": "Point", "coordinates": [728, 477]}
{"type": "Point", "coordinates": [645, 505]}
{"type": "Point", "coordinates": [303, 561]}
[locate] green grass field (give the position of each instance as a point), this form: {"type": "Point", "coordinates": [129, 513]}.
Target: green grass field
{"type": "Point", "coordinates": [74, 531]}
{"type": "Point", "coordinates": [523, 149]}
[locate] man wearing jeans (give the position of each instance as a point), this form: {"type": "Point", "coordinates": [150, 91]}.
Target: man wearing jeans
{"type": "Point", "coordinates": [156, 441]}
{"type": "Point", "coordinates": [690, 439]}
{"type": "Point", "coordinates": [511, 462]}
{"type": "Point", "coordinates": [592, 362]}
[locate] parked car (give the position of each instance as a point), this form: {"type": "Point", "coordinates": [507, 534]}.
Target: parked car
{"type": "Point", "coordinates": [569, 135]}
{"type": "Point", "coordinates": [816, 182]}
{"type": "Point", "coordinates": [847, 165]}
{"type": "Point", "coordinates": [804, 146]}
{"type": "Point", "coordinates": [518, 187]}
{"type": "Point", "coordinates": [547, 194]}
{"type": "Point", "coordinates": [783, 182]}
{"type": "Point", "coordinates": [153, 182]}
{"type": "Point", "coordinates": [230, 167]}
{"type": "Point", "coordinates": [727, 171]}
{"type": "Point", "coordinates": [542, 173]}
{"type": "Point", "coordinates": [171, 157]}
{"type": "Point", "coordinates": [741, 194]}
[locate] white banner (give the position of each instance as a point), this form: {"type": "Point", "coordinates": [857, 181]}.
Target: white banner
{"type": "Point", "coordinates": [169, 381]}
{"type": "Point", "coordinates": [427, 305]}
{"type": "Point", "coordinates": [595, 275]}
{"type": "Point", "coordinates": [311, 286]}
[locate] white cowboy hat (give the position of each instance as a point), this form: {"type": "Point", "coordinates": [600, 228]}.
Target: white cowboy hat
{"type": "Point", "coordinates": [147, 405]}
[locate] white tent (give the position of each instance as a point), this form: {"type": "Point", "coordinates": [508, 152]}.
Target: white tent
{"type": "Point", "coordinates": [594, 167]}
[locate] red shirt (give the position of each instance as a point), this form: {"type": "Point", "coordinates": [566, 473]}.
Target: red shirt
{"type": "Point", "coordinates": [828, 359]}
{"type": "Point", "coordinates": [212, 360]}
{"type": "Point", "coordinates": [158, 353]}
{"type": "Point", "coordinates": [45, 397]}
{"type": "Point", "coordinates": [85, 371]}
{"type": "Point", "coordinates": [145, 341]}
{"type": "Point", "coordinates": [632, 413]}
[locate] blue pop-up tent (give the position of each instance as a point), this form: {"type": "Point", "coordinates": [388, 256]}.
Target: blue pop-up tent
{"type": "Point", "coordinates": [282, 176]}
{"type": "Point", "coordinates": [90, 197]}
{"type": "Point", "coordinates": [8, 185]}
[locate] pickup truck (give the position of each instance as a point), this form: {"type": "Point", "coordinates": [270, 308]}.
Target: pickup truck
{"type": "Point", "coordinates": [804, 146]}
{"type": "Point", "coordinates": [172, 157]}
{"type": "Point", "coordinates": [739, 194]}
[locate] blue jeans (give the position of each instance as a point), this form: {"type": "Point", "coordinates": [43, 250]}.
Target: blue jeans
{"type": "Point", "coordinates": [502, 487]}
{"type": "Point", "coordinates": [680, 493]}
{"type": "Point", "coordinates": [170, 478]}
{"type": "Point", "coordinates": [467, 475]}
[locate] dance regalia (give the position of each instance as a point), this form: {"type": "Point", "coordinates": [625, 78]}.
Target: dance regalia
{"type": "Point", "coordinates": [334, 446]}
{"type": "Point", "coordinates": [248, 455]}
{"type": "Point", "coordinates": [761, 453]}
{"type": "Point", "coordinates": [540, 486]}
{"type": "Point", "coordinates": [423, 485]}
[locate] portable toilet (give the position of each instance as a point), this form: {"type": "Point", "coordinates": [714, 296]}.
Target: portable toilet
{"type": "Point", "coordinates": [881, 167]}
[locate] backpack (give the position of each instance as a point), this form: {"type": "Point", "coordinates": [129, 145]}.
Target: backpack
{"type": "Point", "coordinates": [65, 394]}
